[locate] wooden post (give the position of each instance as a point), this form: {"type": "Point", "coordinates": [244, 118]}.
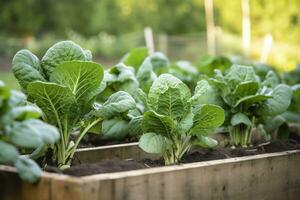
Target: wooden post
{"type": "Point", "coordinates": [210, 27]}
{"type": "Point", "coordinates": [246, 27]}
{"type": "Point", "coordinates": [163, 43]}
{"type": "Point", "coordinates": [268, 40]}
{"type": "Point", "coordinates": [149, 39]}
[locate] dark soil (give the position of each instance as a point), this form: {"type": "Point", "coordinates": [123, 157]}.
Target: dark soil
{"type": "Point", "coordinates": [91, 140]}
{"type": "Point", "coordinates": [195, 155]}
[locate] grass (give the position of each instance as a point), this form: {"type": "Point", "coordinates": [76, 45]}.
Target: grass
{"type": "Point", "coordinates": [9, 80]}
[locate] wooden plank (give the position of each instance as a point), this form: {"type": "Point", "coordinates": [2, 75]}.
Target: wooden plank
{"type": "Point", "coordinates": [120, 151]}
{"type": "Point", "coordinates": [268, 176]}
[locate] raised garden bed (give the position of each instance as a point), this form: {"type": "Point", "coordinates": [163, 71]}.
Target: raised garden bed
{"type": "Point", "coordinates": [265, 176]}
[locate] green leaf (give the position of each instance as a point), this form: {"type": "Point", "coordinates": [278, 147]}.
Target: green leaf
{"type": "Point", "coordinates": [271, 80]}
{"type": "Point", "coordinates": [171, 104]}
{"type": "Point", "coordinates": [146, 76]}
{"type": "Point", "coordinates": [115, 129]}
{"type": "Point", "coordinates": [280, 101]}
{"type": "Point", "coordinates": [17, 98]}
{"type": "Point", "coordinates": [206, 142]}
{"type": "Point", "coordinates": [81, 77]}
{"type": "Point", "coordinates": [207, 119]}
{"type": "Point", "coordinates": [32, 133]}
{"type": "Point", "coordinates": [252, 99]}
{"type": "Point", "coordinates": [273, 123]}
{"type": "Point", "coordinates": [61, 52]}
{"type": "Point", "coordinates": [160, 124]}
{"type": "Point", "coordinates": [135, 57]}
{"type": "Point", "coordinates": [162, 84]}
{"type": "Point", "coordinates": [117, 103]}
{"type": "Point", "coordinates": [54, 100]}
{"type": "Point", "coordinates": [28, 170]}
{"type": "Point", "coordinates": [205, 94]}
{"type": "Point", "coordinates": [245, 89]}
{"type": "Point", "coordinates": [153, 143]}
{"type": "Point", "coordinates": [26, 68]}
{"type": "Point", "coordinates": [8, 153]}
{"type": "Point", "coordinates": [26, 112]}
{"type": "Point", "coordinates": [186, 123]}
{"type": "Point", "coordinates": [240, 118]}
{"type": "Point", "coordinates": [135, 126]}
{"type": "Point", "coordinates": [159, 62]}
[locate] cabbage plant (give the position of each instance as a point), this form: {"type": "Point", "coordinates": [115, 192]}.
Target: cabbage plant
{"type": "Point", "coordinates": [65, 85]}
{"type": "Point", "coordinates": [20, 128]}
{"type": "Point", "coordinates": [175, 120]}
{"type": "Point", "coordinates": [249, 101]}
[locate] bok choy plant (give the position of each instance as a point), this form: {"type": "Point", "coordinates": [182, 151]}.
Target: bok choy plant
{"type": "Point", "coordinates": [20, 129]}
{"type": "Point", "coordinates": [65, 84]}
{"type": "Point", "coordinates": [175, 120]}
{"type": "Point", "coordinates": [248, 101]}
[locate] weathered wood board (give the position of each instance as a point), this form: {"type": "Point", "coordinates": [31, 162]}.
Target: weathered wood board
{"type": "Point", "coordinates": [267, 176]}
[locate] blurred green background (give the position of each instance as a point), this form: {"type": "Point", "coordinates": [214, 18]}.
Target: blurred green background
{"type": "Point", "coordinates": [110, 28]}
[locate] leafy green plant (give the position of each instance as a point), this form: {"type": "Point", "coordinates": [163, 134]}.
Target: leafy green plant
{"type": "Point", "coordinates": [176, 120]}
{"type": "Point", "coordinates": [20, 128]}
{"type": "Point", "coordinates": [248, 101]}
{"type": "Point", "coordinates": [65, 85]}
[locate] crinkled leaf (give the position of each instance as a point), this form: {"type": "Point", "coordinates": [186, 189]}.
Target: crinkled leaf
{"type": "Point", "coordinates": [54, 100]}
{"type": "Point", "coordinates": [186, 123]}
{"type": "Point", "coordinates": [32, 133]}
{"type": "Point", "coordinates": [28, 170]}
{"type": "Point", "coordinates": [162, 84]}
{"type": "Point", "coordinates": [115, 129]}
{"type": "Point", "coordinates": [170, 104]}
{"type": "Point", "coordinates": [205, 94]}
{"type": "Point", "coordinates": [117, 103]}
{"type": "Point", "coordinates": [8, 153]}
{"type": "Point", "coordinates": [280, 101]}
{"type": "Point", "coordinates": [154, 143]}
{"type": "Point", "coordinates": [240, 118]}
{"type": "Point", "coordinates": [81, 77]}
{"type": "Point", "coordinates": [61, 52]}
{"type": "Point", "coordinates": [146, 76]}
{"type": "Point", "coordinates": [26, 68]}
{"type": "Point", "coordinates": [135, 126]}
{"type": "Point", "coordinates": [207, 119]}
{"type": "Point", "coordinates": [160, 124]}
{"type": "Point", "coordinates": [239, 74]}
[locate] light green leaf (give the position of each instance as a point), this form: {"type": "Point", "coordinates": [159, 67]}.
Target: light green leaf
{"type": "Point", "coordinates": [28, 170]}
{"type": "Point", "coordinates": [115, 129]}
{"type": "Point", "coordinates": [54, 100]}
{"type": "Point", "coordinates": [81, 77]}
{"type": "Point", "coordinates": [162, 84]}
{"type": "Point", "coordinates": [280, 101]}
{"type": "Point", "coordinates": [271, 80]}
{"type": "Point", "coordinates": [160, 124]}
{"type": "Point", "coordinates": [205, 94]}
{"type": "Point", "coordinates": [240, 118]}
{"type": "Point", "coordinates": [26, 112]}
{"type": "Point", "coordinates": [186, 123]}
{"type": "Point", "coordinates": [153, 143]}
{"type": "Point", "coordinates": [206, 142]}
{"type": "Point", "coordinates": [26, 68]}
{"type": "Point", "coordinates": [207, 119]}
{"type": "Point", "coordinates": [170, 104]}
{"type": "Point", "coordinates": [135, 57]}
{"type": "Point", "coordinates": [88, 55]}
{"type": "Point", "coordinates": [239, 74]}
{"type": "Point", "coordinates": [117, 103]}
{"type": "Point", "coordinates": [8, 153]}
{"type": "Point", "coordinates": [146, 76]}
{"type": "Point", "coordinates": [61, 52]}
{"type": "Point", "coordinates": [273, 123]}
{"type": "Point", "coordinates": [32, 133]}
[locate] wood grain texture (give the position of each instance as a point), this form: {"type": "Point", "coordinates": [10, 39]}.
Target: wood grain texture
{"type": "Point", "coordinates": [272, 176]}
